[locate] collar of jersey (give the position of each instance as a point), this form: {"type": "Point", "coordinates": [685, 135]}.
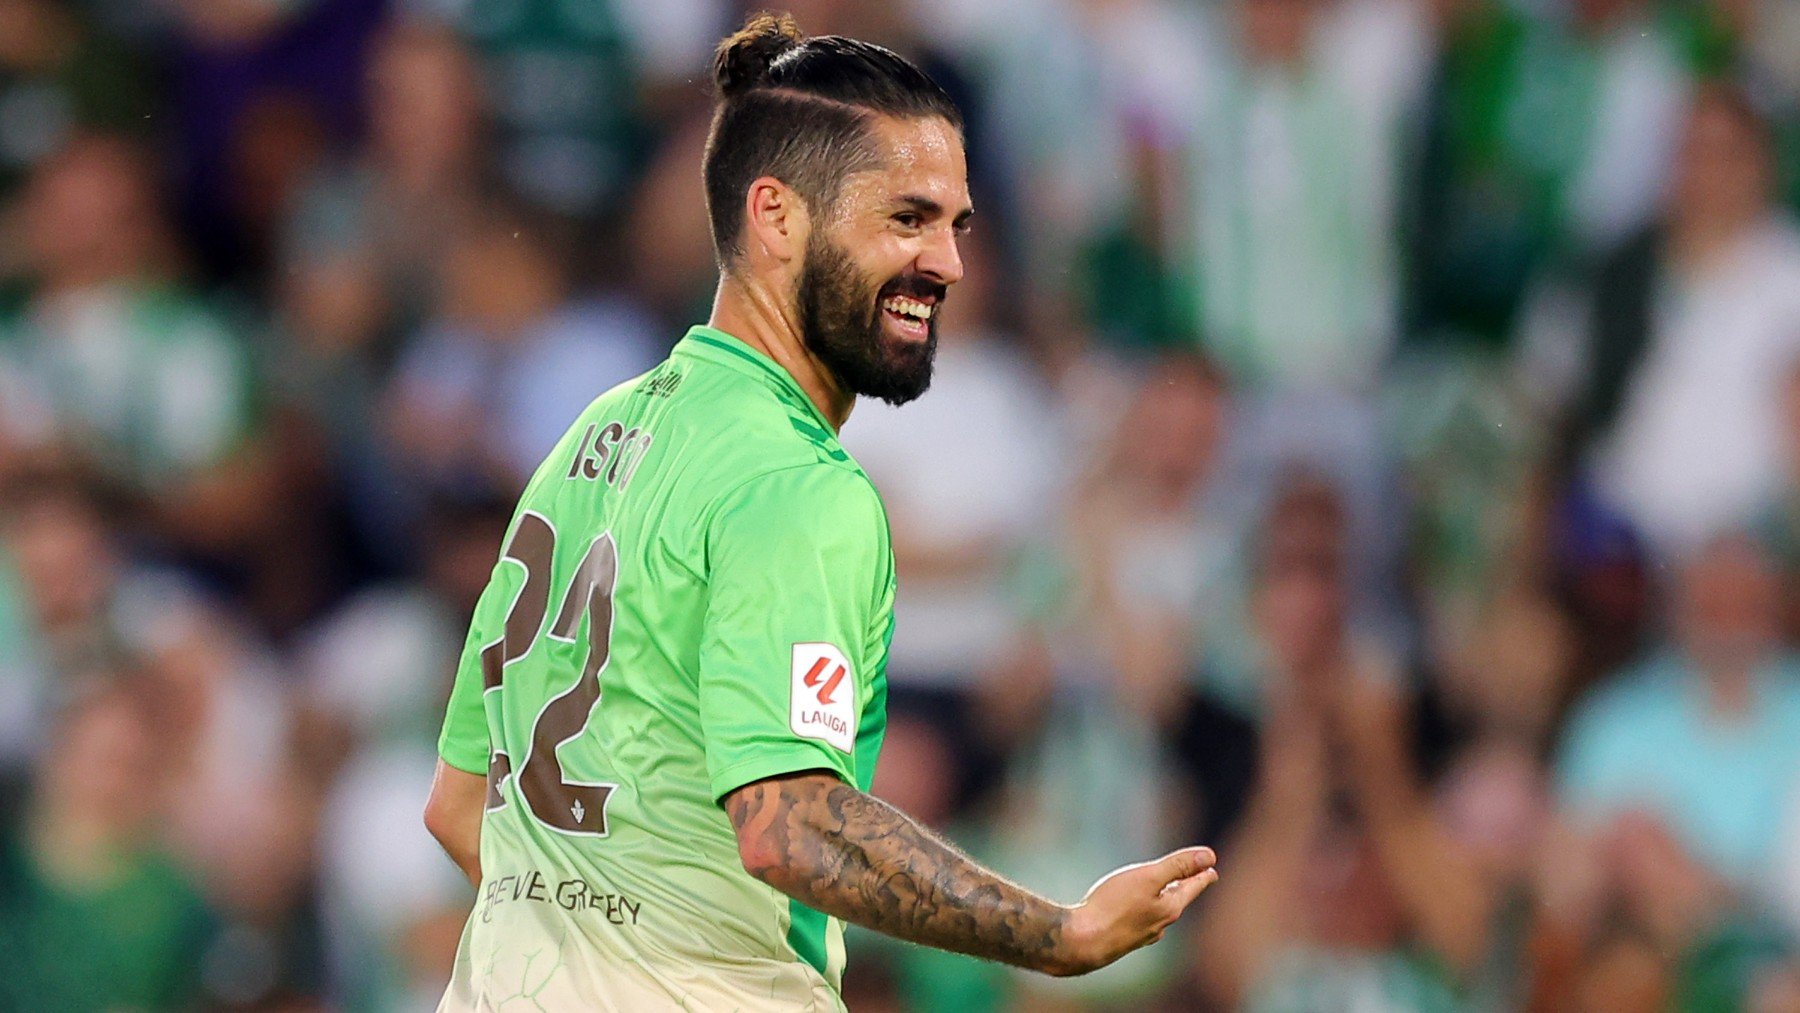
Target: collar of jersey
{"type": "Point", "coordinates": [717, 346]}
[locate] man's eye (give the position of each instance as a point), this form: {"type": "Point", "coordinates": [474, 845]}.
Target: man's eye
{"type": "Point", "coordinates": [909, 219]}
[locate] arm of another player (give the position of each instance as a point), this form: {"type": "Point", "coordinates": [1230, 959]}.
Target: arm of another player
{"type": "Point", "coordinates": [453, 815]}
{"type": "Point", "coordinates": [851, 855]}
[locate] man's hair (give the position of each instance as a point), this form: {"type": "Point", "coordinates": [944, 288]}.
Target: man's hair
{"type": "Point", "coordinates": [798, 109]}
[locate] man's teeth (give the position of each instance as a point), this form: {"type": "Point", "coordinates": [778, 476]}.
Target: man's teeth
{"type": "Point", "coordinates": [909, 307]}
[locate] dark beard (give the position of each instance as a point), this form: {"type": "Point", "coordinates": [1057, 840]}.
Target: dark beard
{"type": "Point", "coordinates": [840, 320]}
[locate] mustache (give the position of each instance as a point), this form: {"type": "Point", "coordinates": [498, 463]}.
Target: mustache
{"type": "Point", "coordinates": [915, 286]}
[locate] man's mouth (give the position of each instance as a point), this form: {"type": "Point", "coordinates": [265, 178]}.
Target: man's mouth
{"type": "Point", "coordinates": [912, 317]}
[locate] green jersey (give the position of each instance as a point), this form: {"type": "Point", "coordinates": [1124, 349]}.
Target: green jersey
{"type": "Point", "coordinates": [695, 593]}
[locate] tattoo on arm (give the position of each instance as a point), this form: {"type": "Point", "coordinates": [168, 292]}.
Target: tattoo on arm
{"type": "Point", "coordinates": [849, 854]}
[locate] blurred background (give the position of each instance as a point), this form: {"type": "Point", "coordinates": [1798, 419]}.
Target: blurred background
{"type": "Point", "coordinates": [1367, 441]}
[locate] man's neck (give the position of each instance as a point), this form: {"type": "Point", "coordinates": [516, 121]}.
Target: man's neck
{"type": "Point", "coordinates": [769, 324]}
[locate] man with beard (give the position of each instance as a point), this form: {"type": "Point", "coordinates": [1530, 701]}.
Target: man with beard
{"type": "Point", "coordinates": [670, 701]}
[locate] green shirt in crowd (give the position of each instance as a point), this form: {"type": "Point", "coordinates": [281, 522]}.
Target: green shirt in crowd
{"type": "Point", "coordinates": [135, 940]}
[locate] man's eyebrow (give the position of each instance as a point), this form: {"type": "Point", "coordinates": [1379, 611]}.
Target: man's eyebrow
{"type": "Point", "coordinates": [923, 205]}
{"type": "Point", "coordinates": [931, 209]}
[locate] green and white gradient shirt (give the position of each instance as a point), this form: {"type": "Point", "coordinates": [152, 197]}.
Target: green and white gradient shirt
{"type": "Point", "coordinates": [695, 593]}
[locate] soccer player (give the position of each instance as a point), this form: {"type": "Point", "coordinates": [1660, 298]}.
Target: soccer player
{"type": "Point", "coordinates": [656, 757]}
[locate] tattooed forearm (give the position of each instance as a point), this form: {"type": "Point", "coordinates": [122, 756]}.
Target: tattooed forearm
{"type": "Point", "coordinates": [848, 854]}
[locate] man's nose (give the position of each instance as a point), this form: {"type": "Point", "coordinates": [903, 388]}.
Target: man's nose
{"type": "Point", "coordinates": [941, 261]}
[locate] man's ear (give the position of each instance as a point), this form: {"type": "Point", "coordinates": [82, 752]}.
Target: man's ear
{"type": "Point", "coordinates": [775, 221]}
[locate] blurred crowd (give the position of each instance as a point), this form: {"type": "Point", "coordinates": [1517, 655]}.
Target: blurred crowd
{"type": "Point", "coordinates": [1367, 441]}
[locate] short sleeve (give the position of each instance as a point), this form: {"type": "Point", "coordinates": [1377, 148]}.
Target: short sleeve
{"type": "Point", "coordinates": [463, 743]}
{"type": "Point", "coordinates": [795, 564]}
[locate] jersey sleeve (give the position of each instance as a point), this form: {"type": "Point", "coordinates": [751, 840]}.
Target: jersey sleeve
{"type": "Point", "coordinates": [463, 742]}
{"type": "Point", "coordinates": [795, 560]}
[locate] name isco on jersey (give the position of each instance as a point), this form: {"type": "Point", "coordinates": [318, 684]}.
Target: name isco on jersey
{"type": "Point", "coordinates": [570, 895]}
{"type": "Point", "coordinates": [611, 451]}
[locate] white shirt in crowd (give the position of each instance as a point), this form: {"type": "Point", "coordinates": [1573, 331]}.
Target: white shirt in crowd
{"type": "Point", "coordinates": [1294, 173]}
{"type": "Point", "coordinates": [1698, 443]}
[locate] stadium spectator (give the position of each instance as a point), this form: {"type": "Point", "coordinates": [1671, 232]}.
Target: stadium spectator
{"type": "Point", "coordinates": [1293, 172]}
{"type": "Point", "coordinates": [94, 913]}
{"type": "Point", "coordinates": [1348, 887]}
{"type": "Point", "coordinates": [392, 908]}
{"type": "Point", "coordinates": [665, 249]}
{"type": "Point", "coordinates": [1631, 920]}
{"type": "Point", "coordinates": [1632, 99]}
{"type": "Point", "coordinates": [565, 89]}
{"type": "Point", "coordinates": [383, 213]}
{"type": "Point", "coordinates": [1540, 140]}
{"type": "Point", "coordinates": [1287, 190]}
{"type": "Point", "coordinates": [487, 386]}
{"type": "Point", "coordinates": [231, 737]}
{"type": "Point", "coordinates": [359, 264]}
{"type": "Point", "coordinates": [1673, 783]}
{"type": "Point", "coordinates": [1688, 335]}
{"type": "Point", "coordinates": [61, 570]}
{"type": "Point", "coordinates": [1078, 101]}
{"type": "Point", "coordinates": [1151, 541]}
{"type": "Point", "coordinates": [325, 357]}
{"type": "Point", "coordinates": [258, 92]}
{"type": "Point", "coordinates": [379, 663]}
{"type": "Point", "coordinates": [1704, 736]}
{"type": "Point", "coordinates": [67, 564]}
{"type": "Point", "coordinates": [142, 378]}
{"type": "Point", "coordinates": [59, 75]}
{"type": "Point", "coordinates": [1500, 682]}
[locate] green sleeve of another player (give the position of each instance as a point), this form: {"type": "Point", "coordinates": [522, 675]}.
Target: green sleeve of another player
{"type": "Point", "coordinates": [463, 743]}
{"type": "Point", "coordinates": [794, 569]}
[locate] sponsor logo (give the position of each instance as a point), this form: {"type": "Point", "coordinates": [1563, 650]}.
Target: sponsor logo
{"type": "Point", "coordinates": [822, 701]}
{"type": "Point", "coordinates": [570, 895]}
{"type": "Point", "coordinates": [660, 386]}
{"type": "Point", "coordinates": [826, 685]}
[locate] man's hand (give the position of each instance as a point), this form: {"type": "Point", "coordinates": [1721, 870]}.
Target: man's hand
{"type": "Point", "coordinates": [1133, 906]}
{"type": "Point", "coordinates": [846, 853]}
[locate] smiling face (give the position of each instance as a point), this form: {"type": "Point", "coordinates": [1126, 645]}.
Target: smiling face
{"type": "Point", "coordinates": [880, 261]}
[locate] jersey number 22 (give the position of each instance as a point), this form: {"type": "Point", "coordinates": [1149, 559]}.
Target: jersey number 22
{"type": "Point", "coordinates": [571, 807]}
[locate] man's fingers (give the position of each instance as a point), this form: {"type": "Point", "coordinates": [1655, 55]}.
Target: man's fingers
{"type": "Point", "coordinates": [1182, 893]}
{"type": "Point", "coordinates": [1184, 864]}
{"type": "Point", "coordinates": [1158, 873]}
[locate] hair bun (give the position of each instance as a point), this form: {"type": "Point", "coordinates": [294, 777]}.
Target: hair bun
{"type": "Point", "coordinates": [742, 61]}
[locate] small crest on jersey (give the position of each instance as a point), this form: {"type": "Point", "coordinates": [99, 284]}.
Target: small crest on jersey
{"type": "Point", "coordinates": [822, 701]}
{"type": "Point", "coordinates": [578, 811]}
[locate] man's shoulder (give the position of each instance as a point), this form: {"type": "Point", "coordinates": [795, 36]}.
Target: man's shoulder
{"type": "Point", "coordinates": [746, 428]}
{"type": "Point", "coordinates": [797, 515]}
{"type": "Point", "coordinates": [819, 491]}
{"type": "Point", "coordinates": [721, 437]}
